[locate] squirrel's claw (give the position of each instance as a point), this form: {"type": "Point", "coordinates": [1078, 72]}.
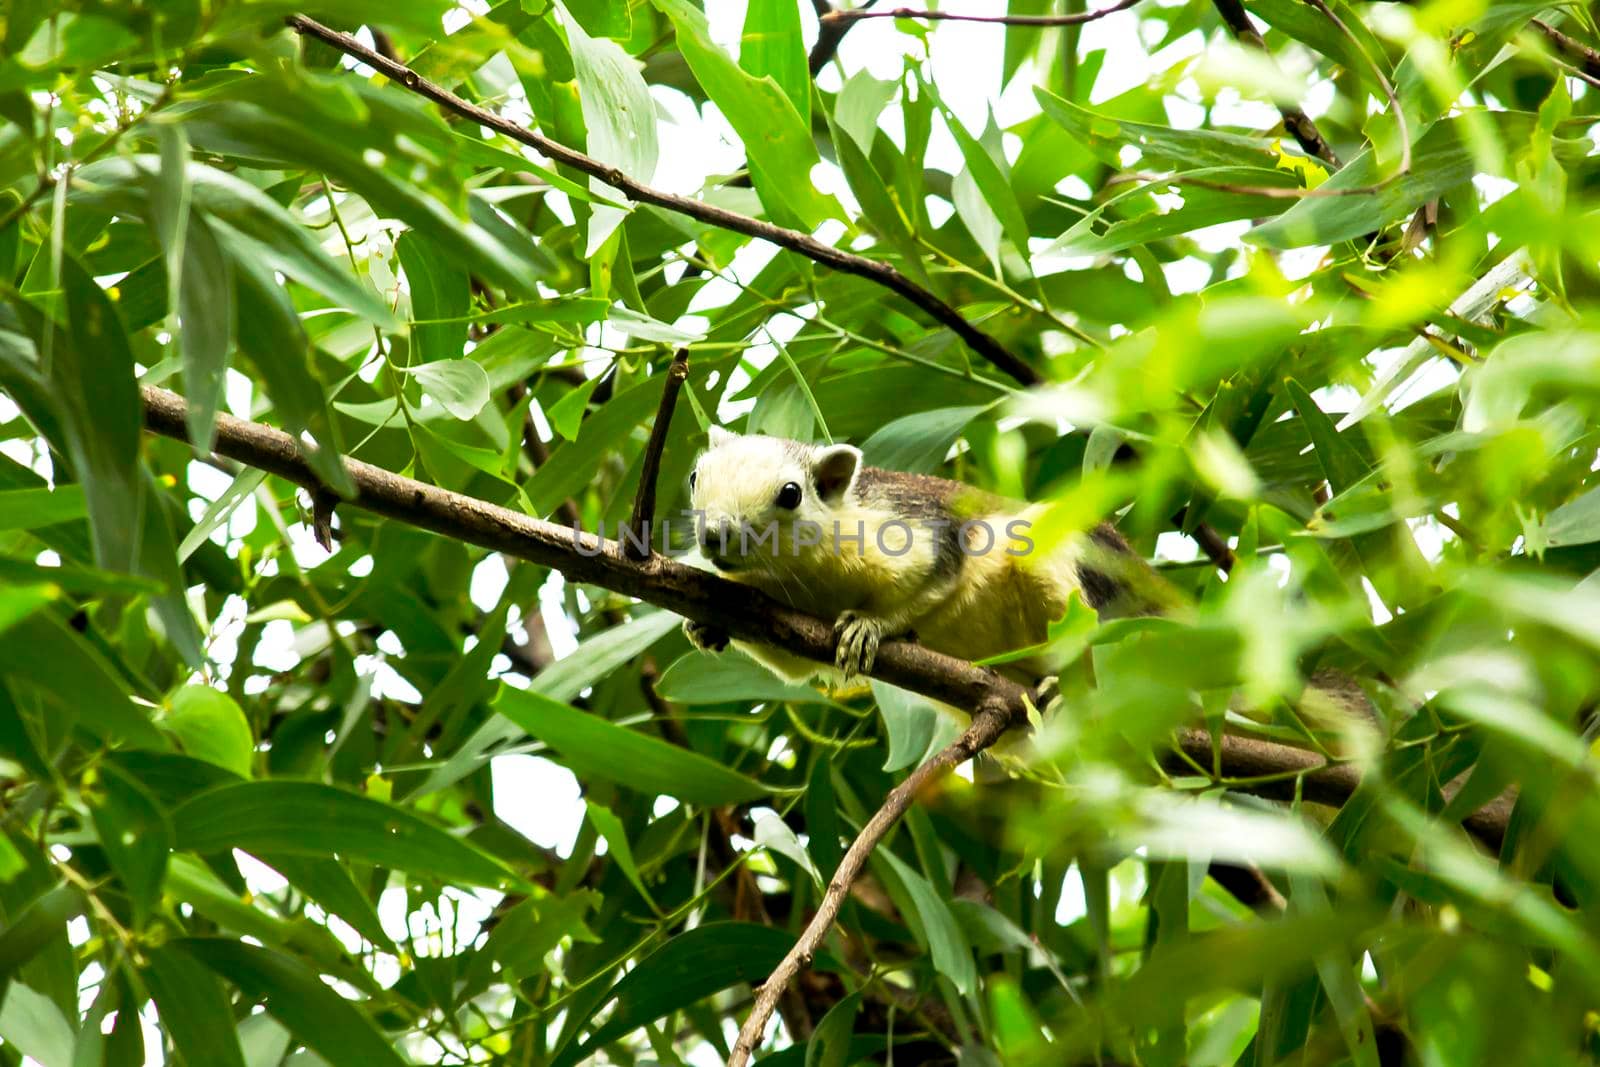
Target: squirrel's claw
{"type": "Point", "coordinates": [858, 637]}
{"type": "Point", "coordinates": [704, 637]}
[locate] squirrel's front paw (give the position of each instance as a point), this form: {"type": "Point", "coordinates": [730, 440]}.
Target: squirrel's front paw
{"type": "Point", "coordinates": [1048, 696]}
{"type": "Point", "coordinates": [858, 637]}
{"type": "Point", "coordinates": [705, 637]}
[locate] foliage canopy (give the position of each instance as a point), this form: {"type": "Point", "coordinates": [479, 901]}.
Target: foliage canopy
{"type": "Point", "coordinates": [1320, 292]}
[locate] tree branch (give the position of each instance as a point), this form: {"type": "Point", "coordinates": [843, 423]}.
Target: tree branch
{"type": "Point", "coordinates": [872, 270]}
{"type": "Point", "coordinates": [749, 614]}
{"type": "Point", "coordinates": [1295, 120]}
{"type": "Point", "coordinates": [849, 17]}
{"type": "Point", "coordinates": [987, 726]}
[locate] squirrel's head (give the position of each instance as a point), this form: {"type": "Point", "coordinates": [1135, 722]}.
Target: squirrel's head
{"type": "Point", "coordinates": [762, 499]}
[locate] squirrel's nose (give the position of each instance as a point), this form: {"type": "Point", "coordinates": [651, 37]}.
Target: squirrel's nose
{"type": "Point", "coordinates": [713, 536]}
{"type": "Point", "coordinates": [718, 540]}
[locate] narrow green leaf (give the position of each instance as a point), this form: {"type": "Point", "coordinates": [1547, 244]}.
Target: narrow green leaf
{"type": "Point", "coordinates": [312, 819]}
{"type": "Point", "coordinates": [327, 1023]}
{"type": "Point", "coordinates": [773, 833]}
{"type": "Point", "coordinates": [830, 1041]}
{"type": "Point", "coordinates": [616, 837]}
{"type": "Point", "coordinates": [684, 971]}
{"type": "Point", "coordinates": [40, 923]}
{"type": "Point", "coordinates": [779, 144]}
{"type": "Point", "coordinates": [918, 442]}
{"type": "Point", "coordinates": [194, 1009]}
{"type": "Point", "coordinates": [771, 46]}
{"type": "Point", "coordinates": [952, 956]}
{"type": "Point", "coordinates": [271, 335]}
{"type": "Point", "coordinates": [441, 297]}
{"type": "Point", "coordinates": [134, 834]}
{"type": "Point", "coordinates": [591, 745]}
{"type": "Point", "coordinates": [619, 116]}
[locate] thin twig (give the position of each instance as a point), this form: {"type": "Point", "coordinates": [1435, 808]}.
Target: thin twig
{"type": "Point", "coordinates": [1588, 58]}
{"type": "Point", "coordinates": [987, 725]}
{"type": "Point", "coordinates": [872, 270]}
{"type": "Point", "coordinates": [847, 17]}
{"type": "Point", "coordinates": [1295, 120]}
{"type": "Point", "coordinates": [644, 504]}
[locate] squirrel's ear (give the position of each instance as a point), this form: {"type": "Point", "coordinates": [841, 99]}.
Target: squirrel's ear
{"type": "Point", "coordinates": [720, 437]}
{"type": "Point", "coordinates": [834, 470]}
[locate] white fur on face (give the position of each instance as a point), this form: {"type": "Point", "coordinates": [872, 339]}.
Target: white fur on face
{"type": "Point", "coordinates": [737, 481]}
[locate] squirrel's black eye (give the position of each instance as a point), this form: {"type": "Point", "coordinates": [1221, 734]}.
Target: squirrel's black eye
{"type": "Point", "coordinates": [789, 496]}
{"type": "Point", "coordinates": [691, 479]}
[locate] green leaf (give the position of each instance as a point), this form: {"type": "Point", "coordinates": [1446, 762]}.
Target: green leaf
{"type": "Point", "coordinates": [17, 602]}
{"type": "Point", "coordinates": [779, 143]}
{"type": "Point", "coordinates": [684, 971]}
{"type": "Point", "coordinates": [858, 105]}
{"type": "Point", "coordinates": [952, 956]}
{"type": "Point", "coordinates": [1162, 146]}
{"type": "Point", "coordinates": [592, 746]}
{"type": "Point", "coordinates": [203, 277]}
{"type": "Point", "coordinates": [642, 327]}
{"type": "Point", "coordinates": [29, 509]}
{"type": "Point", "coordinates": [830, 1041]}
{"type": "Point", "coordinates": [74, 677]}
{"type": "Point", "coordinates": [908, 719]}
{"type": "Point", "coordinates": [327, 882]}
{"type": "Point", "coordinates": [296, 996]}
{"type": "Point", "coordinates": [918, 442]}
{"type": "Point", "coordinates": [591, 661]}
{"type": "Point", "coordinates": [459, 385]}
{"type": "Point", "coordinates": [773, 833]}
{"type": "Point", "coordinates": [32, 1024]}
{"type": "Point", "coordinates": [194, 1009]}
{"type": "Point", "coordinates": [271, 335]}
{"type": "Point", "coordinates": [1577, 522]}
{"type": "Point", "coordinates": [535, 927]}
{"type": "Point", "coordinates": [312, 819]}
{"type": "Point", "coordinates": [566, 414]}
{"type": "Point", "coordinates": [210, 725]}
{"type": "Point", "coordinates": [619, 116]}
{"type": "Point", "coordinates": [441, 297]}
{"type": "Point", "coordinates": [722, 678]}
{"type": "Point", "coordinates": [616, 837]}
{"type": "Point", "coordinates": [134, 834]}
{"type": "Point", "coordinates": [36, 926]}
{"type": "Point", "coordinates": [771, 46]}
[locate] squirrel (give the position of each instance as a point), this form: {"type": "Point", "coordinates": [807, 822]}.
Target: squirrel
{"type": "Point", "coordinates": [887, 554]}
